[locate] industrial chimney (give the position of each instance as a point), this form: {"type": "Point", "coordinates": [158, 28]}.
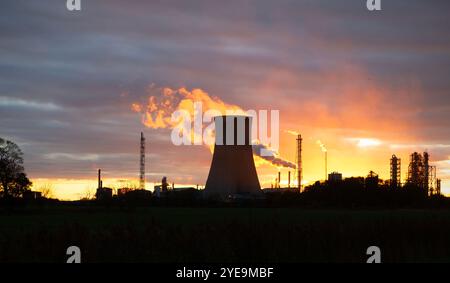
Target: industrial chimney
{"type": "Point", "coordinates": [232, 169]}
{"type": "Point", "coordinates": [100, 183]}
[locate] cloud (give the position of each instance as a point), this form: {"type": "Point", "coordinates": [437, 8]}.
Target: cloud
{"type": "Point", "coordinates": [420, 146]}
{"type": "Point", "coordinates": [78, 157]}
{"type": "Point", "coordinates": [329, 66]}
{"type": "Point", "coordinates": [365, 142]}
{"type": "Point", "coordinates": [11, 102]}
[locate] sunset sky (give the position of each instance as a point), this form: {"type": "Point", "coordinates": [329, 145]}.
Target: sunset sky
{"type": "Point", "coordinates": [366, 84]}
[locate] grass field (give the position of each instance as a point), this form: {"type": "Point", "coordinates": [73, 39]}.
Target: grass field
{"type": "Point", "coordinates": [224, 234]}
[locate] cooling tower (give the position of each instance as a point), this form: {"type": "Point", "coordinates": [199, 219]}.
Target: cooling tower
{"type": "Point", "coordinates": [232, 169]}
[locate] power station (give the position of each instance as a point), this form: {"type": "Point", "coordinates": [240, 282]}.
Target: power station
{"type": "Point", "coordinates": [233, 173]}
{"type": "Point", "coordinates": [232, 169]}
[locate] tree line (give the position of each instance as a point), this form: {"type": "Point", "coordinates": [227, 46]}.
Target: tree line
{"type": "Point", "coordinates": [13, 179]}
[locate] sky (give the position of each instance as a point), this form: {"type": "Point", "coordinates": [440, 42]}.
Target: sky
{"type": "Point", "coordinates": [366, 84]}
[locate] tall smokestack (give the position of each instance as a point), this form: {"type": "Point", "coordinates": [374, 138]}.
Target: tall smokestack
{"type": "Point", "coordinates": [426, 177]}
{"type": "Point", "coordinates": [299, 162]}
{"type": "Point", "coordinates": [99, 179]}
{"type": "Point", "coordinates": [324, 150]}
{"type": "Point", "coordinates": [279, 179]}
{"type": "Point", "coordinates": [233, 168]}
{"type": "Point", "coordinates": [289, 179]}
{"type": "Point", "coordinates": [142, 163]}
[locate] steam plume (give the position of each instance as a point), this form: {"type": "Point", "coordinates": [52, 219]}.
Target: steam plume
{"type": "Point", "coordinates": [322, 146]}
{"type": "Point", "coordinates": [162, 102]}
{"type": "Point", "coordinates": [273, 158]}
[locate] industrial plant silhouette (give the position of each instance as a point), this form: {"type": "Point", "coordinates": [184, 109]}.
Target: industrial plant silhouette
{"type": "Point", "coordinates": [233, 179]}
{"type": "Point", "coordinates": [331, 220]}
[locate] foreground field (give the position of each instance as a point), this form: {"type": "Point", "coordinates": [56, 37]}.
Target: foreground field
{"type": "Point", "coordinates": [224, 235]}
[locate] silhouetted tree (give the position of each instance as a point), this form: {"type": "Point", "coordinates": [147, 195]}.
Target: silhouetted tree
{"type": "Point", "coordinates": [13, 180]}
{"type": "Point", "coordinates": [46, 190]}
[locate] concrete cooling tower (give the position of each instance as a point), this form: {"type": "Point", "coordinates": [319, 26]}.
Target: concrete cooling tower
{"type": "Point", "coordinates": [232, 169]}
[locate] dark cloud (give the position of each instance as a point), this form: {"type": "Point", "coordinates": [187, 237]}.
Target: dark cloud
{"type": "Point", "coordinates": [62, 73]}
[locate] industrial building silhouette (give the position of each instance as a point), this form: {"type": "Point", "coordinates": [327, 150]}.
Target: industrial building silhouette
{"type": "Point", "coordinates": [232, 169]}
{"type": "Point", "coordinates": [233, 174]}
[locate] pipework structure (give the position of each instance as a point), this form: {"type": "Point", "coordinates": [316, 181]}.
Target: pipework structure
{"type": "Point", "coordinates": [422, 175]}
{"type": "Point", "coordinates": [395, 180]}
